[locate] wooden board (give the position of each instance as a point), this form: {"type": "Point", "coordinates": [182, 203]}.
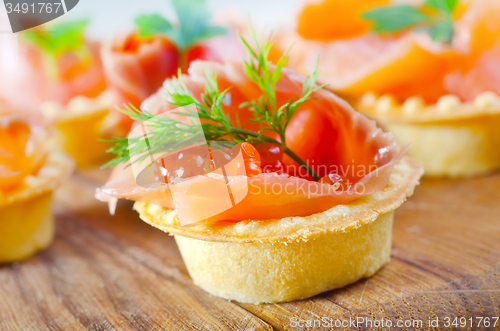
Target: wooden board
{"type": "Point", "coordinates": [118, 273]}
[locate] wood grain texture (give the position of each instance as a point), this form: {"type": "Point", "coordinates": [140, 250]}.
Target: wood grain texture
{"type": "Point", "coordinates": [117, 273]}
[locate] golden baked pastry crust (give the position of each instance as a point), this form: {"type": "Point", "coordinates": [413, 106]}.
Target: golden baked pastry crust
{"type": "Point", "coordinates": [448, 108]}
{"type": "Point", "coordinates": [295, 257]}
{"type": "Point", "coordinates": [26, 226]}
{"type": "Point", "coordinates": [451, 138]}
{"type": "Point", "coordinates": [26, 223]}
{"type": "Point", "coordinates": [56, 168]}
{"type": "Point", "coordinates": [80, 126]}
{"type": "Point", "coordinates": [280, 271]}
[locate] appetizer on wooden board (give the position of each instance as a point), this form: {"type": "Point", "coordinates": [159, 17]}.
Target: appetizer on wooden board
{"type": "Point", "coordinates": [313, 208]}
{"type": "Point", "coordinates": [428, 76]}
{"type": "Point", "coordinates": [29, 173]}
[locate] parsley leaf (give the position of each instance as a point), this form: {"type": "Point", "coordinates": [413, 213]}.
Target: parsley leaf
{"type": "Point", "coordinates": [442, 31]}
{"type": "Point", "coordinates": [399, 16]}
{"type": "Point", "coordinates": [148, 25]}
{"type": "Point", "coordinates": [445, 6]}
{"type": "Point", "coordinates": [193, 24]}
{"type": "Point", "coordinates": [394, 18]}
{"type": "Point", "coordinates": [55, 40]}
{"type": "Point", "coordinates": [58, 39]}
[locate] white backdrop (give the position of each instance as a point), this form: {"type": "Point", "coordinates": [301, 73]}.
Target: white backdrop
{"type": "Point", "coordinates": [109, 16]}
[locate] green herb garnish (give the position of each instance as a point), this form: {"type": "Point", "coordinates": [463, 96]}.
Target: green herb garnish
{"type": "Point", "coordinates": [400, 16]}
{"type": "Point", "coordinates": [149, 25]}
{"type": "Point", "coordinates": [193, 24]}
{"type": "Point", "coordinates": [55, 40]}
{"type": "Point", "coordinates": [168, 135]}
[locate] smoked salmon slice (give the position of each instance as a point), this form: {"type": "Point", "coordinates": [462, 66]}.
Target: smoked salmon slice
{"type": "Point", "coordinates": [137, 63]}
{"type": "Point", "coordinates": [136, 66]}
{"type": "Point", "coordinates": [325, 131]}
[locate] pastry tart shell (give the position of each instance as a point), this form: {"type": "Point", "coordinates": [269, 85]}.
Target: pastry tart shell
{"type": "Point", "coordinates": [295, 257]}
{"type": "Point", "coordinates": [81, 125]}
{"type": "Point", "coordinates": [26, 220]}
{"type": "Point", "coordinates": [450, 138]}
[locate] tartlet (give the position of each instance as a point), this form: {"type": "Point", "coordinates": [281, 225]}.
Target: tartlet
{"type": "Point", "coordinates": [82, 125]}
{"type": "Point", "coordinates": [451, 138]}
{"type": "Point", "coordinates": [294, 257]}
{"type": "Point", "coordinates": [26, 223]}
{"type": "Point", "coordinates": [55, 70]}
{"type": "Point", "coordinates": [315, 235]}
{"type": "Point", "coordinates": [437, 91]}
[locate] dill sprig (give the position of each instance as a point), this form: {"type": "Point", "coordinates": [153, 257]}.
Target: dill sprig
{"type": "Point", "coordinates": [265, 109]}
{"type": "Point", "coordinates": [166, 134]}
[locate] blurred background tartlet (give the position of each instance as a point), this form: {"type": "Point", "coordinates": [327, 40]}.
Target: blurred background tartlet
{"type": "Point", "coordinates": [29, 173]}
{"type": "Point", "coordinates": [428, 77]}
{"type": "Point", "coordinates": [56, 71]}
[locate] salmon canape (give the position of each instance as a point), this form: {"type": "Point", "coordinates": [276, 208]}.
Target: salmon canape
{"type": "Point", "coordinates": [431, 78]}
{"type": "Point", "coordinates": [29, 173]}
{"type": "Point", "coordinates": [286, 192]}
{"type": "Point", "coordinates": [55, 70]}
{"type": "Point", "coordinates": [137, 63]}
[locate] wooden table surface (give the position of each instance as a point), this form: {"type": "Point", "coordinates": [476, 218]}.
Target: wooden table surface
{"type": "Point", "coordinates": [117, 273]}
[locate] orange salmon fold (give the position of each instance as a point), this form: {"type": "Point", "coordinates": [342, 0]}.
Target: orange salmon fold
{"type": "Point", "coordinates": [137, 66]}
{"type": "Point", "coordinates": [22, 150]}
